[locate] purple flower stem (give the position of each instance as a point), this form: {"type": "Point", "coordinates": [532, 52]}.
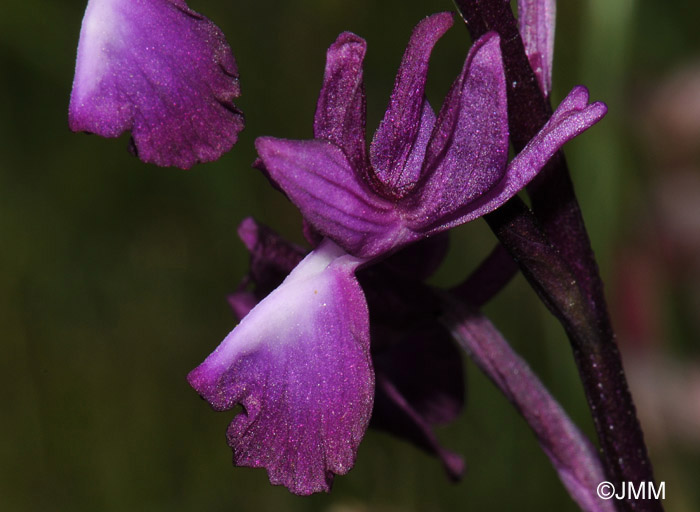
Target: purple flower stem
{"type": "Point", "coordinates": [622, 445]}
{"type": "Point", "coordinates": [554, 252]}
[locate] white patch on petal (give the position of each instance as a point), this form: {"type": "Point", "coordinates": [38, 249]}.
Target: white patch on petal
{"type": "Point", "coordinates": [289, 311]}
{"type": "Point", "coordinates": [102, 34]}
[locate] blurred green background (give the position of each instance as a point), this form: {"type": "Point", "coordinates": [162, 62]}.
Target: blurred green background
{"type": "Point", "coordinates": [114, 274]}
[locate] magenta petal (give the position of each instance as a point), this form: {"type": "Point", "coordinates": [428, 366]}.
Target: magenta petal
{"type": "Point", "coordinates": [573, 116]}
{"type": "Point", "coordinates": [572, 455]}
{"type": "Point", "coordinates": [408, 116]}
{"type": "Point", "coordinates": [320, 181]}
{"type": "Point", "coordinates": [341, 109]}
{"type": "Point", "coordinates": [468, 150]}
{"type": "Point", "coordinates": [161, 70]}
{"type": "Point", "coordinates": [536, 20]}
{"type": "Point", "coordinates": [299, 364]}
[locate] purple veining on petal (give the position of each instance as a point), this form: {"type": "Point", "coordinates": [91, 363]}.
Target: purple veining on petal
{"type": "Point", "coordinates": [468, 150]}
{"type": "Point", "coordinates": [536, 21]}
{"type": "Point", "coordinates": [420, 260]}
{"type": "Point", "coordinates": [571, 453]}
{"type": "Point", "coordinates": [399, 143]}
{"type": "Point", "coordinates": [162, 71]}
{"type": "Point", "coordinates": [318, 178]}
{"type": "Point", "coordinates": [573, 116]}
{"type": "Point", "coordinates": [462, 160]}
{"type": "Point", "coordinates": [299, 364]}
{"type": "Point", "coordinates": [422, 381]}
{"type": "Point", "coordinates": [341, 109]}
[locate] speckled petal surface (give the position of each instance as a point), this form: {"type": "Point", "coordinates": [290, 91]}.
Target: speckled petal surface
{"type": "Point", "coordinates": [162, 71]}
{"type": "Point", "coordinates": [299, 364]}
{"type": "Point", "coordinates": [319, 180]}
{"type": "Point", "coordinates": [341, 109]}
{"type": "Point", "coordinates": [573, 116]}
{"type": "Point", "coordinates": [399, 143]}
{"type": "Point", "coordinates": [242, 302]}
{"type": "Point", "coordinates": [468, 150]}
{"type": "Point", "coordinates": [536, 21]}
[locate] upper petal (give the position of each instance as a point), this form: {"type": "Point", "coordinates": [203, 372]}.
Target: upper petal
{"type": "Point", "coordinates": [299, 364]}
{"type": "Point", "coordinates": [536, 20]}
{"type": "Point", "coordinates": [161, 70]}
{"type": "Point", "coordinates": [573, 116]}
{"type": "Point", "coordinates": [341, 109]}
{"type": "Point", "coordinates": [468, 149]}
{"type": "Point", "coordinates": [317, 177]}
{"type": "Point", "coordinates": [399, 143]}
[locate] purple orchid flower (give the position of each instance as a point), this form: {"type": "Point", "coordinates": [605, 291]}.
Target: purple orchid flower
{"type": "Point", "coordinates": [162, 71]}
{"type": "Point", "coordinates": [283, 363]}
{"type": "Point", "coordinates": [419, 375]}
{"type": "Point", "coordinates": [424, 174]}
{"type": "Point", "coordinates": [299, 362]}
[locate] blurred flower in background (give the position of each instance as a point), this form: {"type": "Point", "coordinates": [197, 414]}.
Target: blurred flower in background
{"type": "Point", "coordinates": [163, 72]}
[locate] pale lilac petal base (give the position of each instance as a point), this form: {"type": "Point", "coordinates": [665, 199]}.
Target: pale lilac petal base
{"type": "Point", "coordinates": [318, 178]}
{"type": "Point", "coordinates": [420, 384]}
{"type": "Point", "coordinates": [572, 455]}
{"type": "Point", "coordinates": [299, 364]}
{"type": "Point", "coordinates": [161, 70]}
{"type": "Point", "coordinates": [272, 258]}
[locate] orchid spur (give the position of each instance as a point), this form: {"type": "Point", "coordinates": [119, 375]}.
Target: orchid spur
{"type": "Point", "coordinates": [299, 363]}
{"type": "Point", "coordinates": [162, 71]}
